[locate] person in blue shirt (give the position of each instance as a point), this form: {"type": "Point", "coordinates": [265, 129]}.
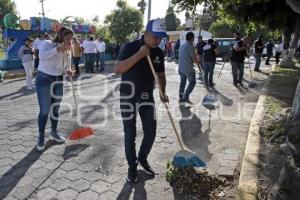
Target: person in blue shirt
{"type": "Point", "coordinates": [136, 93]}
{"type": "Point", "coordinates": [187, 58]}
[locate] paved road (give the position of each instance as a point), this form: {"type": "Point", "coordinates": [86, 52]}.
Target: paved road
{"type": "Point", "coordinates": [95, 168]}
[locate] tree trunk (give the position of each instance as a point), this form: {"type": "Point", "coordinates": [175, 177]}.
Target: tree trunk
{"type": "Point", "coordinates": [286, 61]}
{"type": "Point", "coordinates": [296, 105]}
{"type": "Point", "coordinates": [288, 51]}
{"type": "Point", "coordinates": [295, 115]}
{"type": "Point", "coordinates": [294, 4]}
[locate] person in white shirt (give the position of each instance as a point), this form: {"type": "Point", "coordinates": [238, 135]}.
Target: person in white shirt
{"type": "Point", "coordinates": [90, 50]}
{"type": "Point", "coordinates": [55, 60]}
{"type": "Point", "coordinates": [101, 46]}
{"type": "Point", "coordinates": [36, 46]}
{"type": "Point", "coordinates": [26, 56]}
{"type": "Point", "coordinates": [278, 50]}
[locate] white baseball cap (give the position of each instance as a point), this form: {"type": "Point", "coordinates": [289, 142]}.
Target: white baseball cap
{"type": "Point", "coordinates": [157, 27]}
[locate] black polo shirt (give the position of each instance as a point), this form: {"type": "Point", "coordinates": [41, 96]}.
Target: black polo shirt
{"type": "Point", "coordinates": [238, 56]}
{"type": "Point", "coordinates": [199, 47]}
{"type": "Point", "coordinates": [258, 43]}
{"type": "Point", "coordinates": [140, 75]}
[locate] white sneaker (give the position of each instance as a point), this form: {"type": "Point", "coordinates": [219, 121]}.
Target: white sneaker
{"type": "Point", "coordinates": [56, 137]}
{"type": "Point", "coordinates": [40, 148]}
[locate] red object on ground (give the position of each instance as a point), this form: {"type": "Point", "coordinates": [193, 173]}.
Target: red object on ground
{"type": "Point", "coordinates": [81, 133]}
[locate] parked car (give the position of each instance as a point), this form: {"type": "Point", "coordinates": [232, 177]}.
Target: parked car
{"type": "Point", "coordinates": [224, 45]}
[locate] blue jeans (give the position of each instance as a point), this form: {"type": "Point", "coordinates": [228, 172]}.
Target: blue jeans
{"type": "Point", "coordinates": [258, 60]}
{"type": "Point", "coordinates": [100, 57]}
{"type": "Point", "coordinates": [47, 85]}
{"type": "Point", "coordinates": [185, 94]}
{"type": "Point", "coordinates": [237, 72]}
{"type": "Point", "coordinates": [89, 61]}
{"type": "Point", "coordinates": [208, 72]}
{"type": "Point", "coordinates": [146, 109]}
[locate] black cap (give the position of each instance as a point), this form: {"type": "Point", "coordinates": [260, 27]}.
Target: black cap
{"type": "Point", "coordinates": [28, 39]}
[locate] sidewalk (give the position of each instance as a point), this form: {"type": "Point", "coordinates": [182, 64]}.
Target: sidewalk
{"type": "Point", "coordinates": [18, 73]}
{"type": "Point", "coordinates": [95, 167]}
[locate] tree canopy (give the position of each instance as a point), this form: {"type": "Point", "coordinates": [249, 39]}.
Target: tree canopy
{"type": "Point", "coordinates": [124, 21]}
{"type": "Point", "coordinates": [170, 20]}
{"type": "Point", "coordinates": [7, 6]}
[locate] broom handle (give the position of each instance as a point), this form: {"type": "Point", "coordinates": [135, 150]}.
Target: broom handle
{"type": "Point", "coordinates": [250, 68]}
{"type": "Point", "coordinates": [221, 70]}
{"type": "Point", "coordinates": [165, 104]}
{"type": "Point", "coordinates": [73, 91]}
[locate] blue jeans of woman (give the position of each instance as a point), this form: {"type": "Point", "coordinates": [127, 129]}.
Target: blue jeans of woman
{"type": "Point", "coordinates": [209, 72]}
{"type": "Point", "coordinates": [145, 106]}
{"type": "Point", "coordinates": [49, 91]}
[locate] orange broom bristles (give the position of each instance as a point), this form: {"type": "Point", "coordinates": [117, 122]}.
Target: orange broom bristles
{"type": "Point", "coordinates": [81, 133]}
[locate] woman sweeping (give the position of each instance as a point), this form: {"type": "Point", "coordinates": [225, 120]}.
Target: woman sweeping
{"type": "Point", "coordinates": [55, 60]}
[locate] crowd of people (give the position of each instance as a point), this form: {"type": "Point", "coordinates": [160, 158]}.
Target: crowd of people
{"type": "Point", "coordinates": [54, 59]}
{"type": "Point", "coordinates": [92, 51]}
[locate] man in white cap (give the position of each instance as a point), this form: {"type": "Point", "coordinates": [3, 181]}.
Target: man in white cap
{"type": "Point", "coordinates": [136, 93]}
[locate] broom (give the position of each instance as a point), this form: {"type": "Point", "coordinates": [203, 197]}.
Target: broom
{"type": "Point", "coordinates": [221, 69]}
{"type": "Point", "coordinates": [252, 83]}
{"type": "Point", "coordinates": [183, 158]}
{"type": "Point", "coordinates": [80, 132]}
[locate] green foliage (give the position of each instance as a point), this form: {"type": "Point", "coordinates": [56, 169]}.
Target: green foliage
{"type": "Point", "coordinates": [142, 5]}
{"type": "Point", "coordinates": [171, 20]}
{"type": "Point", "coordinates": [221, 29]}
{"type": "Point", "coordinates": [7, 6]}
{"type": "Point", "coordinates": [102, 31]}
{"type": "Point", "coordinates": [188, 5]}
{"type": "Point", "coordinates": [124, 21]}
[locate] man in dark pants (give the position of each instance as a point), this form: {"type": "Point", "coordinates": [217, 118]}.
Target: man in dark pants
{"type": "Point", "coordinates": [136, 93]}
{"type": "Point", "coordinates": [237, 58]}
{"type": "Point", "coordinates": [270, 47]}
{"type": "Point", "coordinates": [259, 48]}
{"type": "Point", "coordinates": [199, 48]}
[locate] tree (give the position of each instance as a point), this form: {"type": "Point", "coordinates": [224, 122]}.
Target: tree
{"type": "Point", "coordinates": [171, 20]}
{"type": "Point", "coordinates": [142, 5]}
{"type": "Point", "coordinates": [102, 31]}
{"type": "Point", "coordinates": [7, 6]}
{"type": "Point", "coordinates": [273, 14]}
{"type": "Point", "coordinates": [124, 21]}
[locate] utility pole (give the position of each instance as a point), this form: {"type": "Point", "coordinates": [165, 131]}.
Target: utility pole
{"type": "Point", "coordinates": [43, 11]}
{"type": "Point", "coordinates": [149, 10]}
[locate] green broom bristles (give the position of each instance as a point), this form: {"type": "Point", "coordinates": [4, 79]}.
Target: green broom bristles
{"type": "Point", "coordinates": [186, 158]}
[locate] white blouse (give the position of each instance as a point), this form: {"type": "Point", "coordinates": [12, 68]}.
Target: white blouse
{"type": "Point", "coordinates": [52, 62]}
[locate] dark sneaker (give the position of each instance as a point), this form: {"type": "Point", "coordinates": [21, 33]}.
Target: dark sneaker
{"type": "Point", "coordinates": [257, 70]}
{"type": "Point", "coordinates": [148, 169]}
{"type": "Point", "coordinates": [235, 84]}
{"type": "Point", "coordinates": [241, 84]}
{"type": "Point", "coordinates": [188, 101]}
{"type": "Point", "coordinates": [132, 174]}
{"type": "Point", "coordinates": [181, 101]}
{"type": "Point", "coordinates": [55, 136]}
{"type": "Point", "coordinates": [41, 142]}
{"type": "Point", "coordinates": [211, 84]}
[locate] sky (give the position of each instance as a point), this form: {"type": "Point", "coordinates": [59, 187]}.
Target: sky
{"type": "Point", "coordinates": [59, 9]}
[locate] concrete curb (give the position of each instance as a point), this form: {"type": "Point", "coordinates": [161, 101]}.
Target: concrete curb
{"type": "Point", "coordinates": [21, 73]}
{"type": "Point", "coordinates": [248, 181]}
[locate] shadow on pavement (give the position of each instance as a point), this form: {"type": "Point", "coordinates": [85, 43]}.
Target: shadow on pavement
{"type": "Point", "coordinates": [138, 189]}
{"type": "Point", "coordinates": [23, 91]}
{"type": "Point", "coordinates": [225, 100]}
{"type": "Point", "coordinates": [70, 152]}
{"type": "Point", "coordinates": [192, 135]}
{"type": "Point", "coordinates": [12, 177]}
